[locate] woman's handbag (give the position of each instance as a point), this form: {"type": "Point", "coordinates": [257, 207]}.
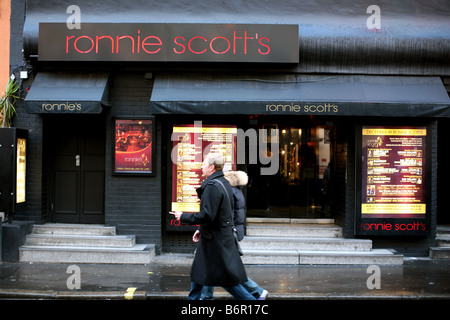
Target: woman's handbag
{"type": "Point", "coordinates": [232, 221]}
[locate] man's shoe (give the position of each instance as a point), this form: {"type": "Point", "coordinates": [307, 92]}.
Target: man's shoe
{"type": "Point", "coordinates": [263, 295]}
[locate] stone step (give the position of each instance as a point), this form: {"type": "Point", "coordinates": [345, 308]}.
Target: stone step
{"type": "Point", "coordinates": [74, 229]}
{"type": "Point", "coordinates": [443, 230]}
{"type": "Point", "coordinates": [440, 252]}
{"type": "Point", "coordinates": [83, 243]}
{"type": "Point", "coordinates": [44, 239]}
{"type": "Point", "coordinates": [290, 221]}
{"type": "Point", "coordinates": [302, 257]}
{"type": "Point", "coordinates": [305, 243]}
{"type": "Point", "coordinates": [294, 230]}
{"type": "Point", "coordinates": [138, 254]}
{"type": "Point", "coordinates": [443, 240]}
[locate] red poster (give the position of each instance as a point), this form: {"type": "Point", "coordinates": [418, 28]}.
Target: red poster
{"type": "Point", "coordinates": [133, 146]}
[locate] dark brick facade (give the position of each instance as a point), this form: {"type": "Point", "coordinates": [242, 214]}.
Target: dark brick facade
{"type": "Point", "coordinates": [136, 205]}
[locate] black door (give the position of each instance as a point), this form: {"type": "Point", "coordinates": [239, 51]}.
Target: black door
{"type": "Point", "coordinates": [77, 173]}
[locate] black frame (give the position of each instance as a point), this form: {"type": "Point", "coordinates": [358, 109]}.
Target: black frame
{"type": "Point", "coordinates": [8, 169]}
{"type": "Point", "coordinates": [153, 147]}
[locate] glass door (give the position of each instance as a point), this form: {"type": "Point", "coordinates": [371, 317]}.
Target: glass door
{"type": "Point", "coordinates": [298, 189]}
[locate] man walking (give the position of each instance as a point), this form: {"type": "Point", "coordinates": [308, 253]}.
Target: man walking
{"type": "Point", "coordinates": [217, 261]}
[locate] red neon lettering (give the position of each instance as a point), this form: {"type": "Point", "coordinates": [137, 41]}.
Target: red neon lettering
{"type": "Point", "coordinates": [264, 45]}
{"type": "Point", "coordinates": [190, 48]}
{"type": "Point", "coordinates": [67, 42]}
{"type": "Point", "coordinates": [181, 45]}
{"type": "Point", "coordinates": [220, 52]}
{"type": "Point", "coordinates": [86, 37]}
{"type": "Point", "coordinates": [123, 37]}
{"type": "Point", "coordinates": [245, 41]}
{"type": "Point", "coordinates": [416, 226]}
{"type": "Point", "coordinates": [139, 41]}
{"type": "Point", "coordinates": [157, 43]}
{"type": "Point", "coordinates": [103, 37]}
{"type": "Point", "coordinates": [153, 44]}
{"type": "Point", "coordinates": [234, 41]}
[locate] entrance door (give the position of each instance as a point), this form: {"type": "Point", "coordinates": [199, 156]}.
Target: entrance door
{"type": "Point", "coordinates": [77, 172]}
{"type": "Point", "coordinates": [298, 189]}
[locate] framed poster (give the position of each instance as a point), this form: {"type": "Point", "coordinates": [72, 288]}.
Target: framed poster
{"type": "Point", "coordinates": [393, 186]}
{"type": "Point", "coordinates": [134, 146]}
{"type": "Point", "coordinates": [21, 170]}
{"type": "Point", "coordinates": [191, 143]}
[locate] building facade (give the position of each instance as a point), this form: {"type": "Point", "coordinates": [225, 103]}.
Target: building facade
{"type": "Point", "coordinates": [334, 111]}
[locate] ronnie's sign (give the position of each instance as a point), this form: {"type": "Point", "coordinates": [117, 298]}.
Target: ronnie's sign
{"type": "Point", "coordinates": [169, 42]}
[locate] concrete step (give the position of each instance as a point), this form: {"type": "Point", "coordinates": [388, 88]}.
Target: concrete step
{"type": "Point", "coordinates": [290, 221]}
{"type": "Point", "coordinates": [305, 243]}
{"type": "Point", "coordinates": [294, 230]}
{"type": "Point", "coordinates": [442, 230]}
{"type": "Point", "coordinates": [138, 254]}
{"type": "Point", "coordinates": [301, 257]}
{"type": "Point", "coordinates": [443, 240]}
{"type": "Point", "coordinates": [44, 239]}
{"type": "Point", "coordinates": [440, 252]}
{"type": "Point", "coordinates": [83, 243]}
{"type": "Point", "coordinates": [74, 229]}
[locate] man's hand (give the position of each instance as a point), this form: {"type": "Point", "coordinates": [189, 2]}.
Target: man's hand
{"type": "Point", "coordinates": [196, 236]}
{"type": "Point", "coordinates": [177, 214]}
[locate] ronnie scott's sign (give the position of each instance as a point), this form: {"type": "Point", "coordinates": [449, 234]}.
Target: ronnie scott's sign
{"type": "Point", "coordinates": [161, 42]}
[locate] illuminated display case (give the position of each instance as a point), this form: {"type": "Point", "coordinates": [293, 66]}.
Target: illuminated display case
{"type": "Point", "coordinates": [394, 181]}
{"type": "Point", "coordinates": [190, 145]}
{"type": "Point", "coordinates": [13, 155]}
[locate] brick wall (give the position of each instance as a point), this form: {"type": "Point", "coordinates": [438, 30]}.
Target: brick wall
{"type": "Point", "coordinates": [132, 204]}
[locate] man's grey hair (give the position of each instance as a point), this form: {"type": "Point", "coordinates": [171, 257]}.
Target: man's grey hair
{"type": "Point", "coordinates": [215, 159]}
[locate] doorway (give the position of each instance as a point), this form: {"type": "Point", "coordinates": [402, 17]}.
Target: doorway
{"type": "Point", "coordinates": [301, 187]}
{"type": "Point", "coordinates": [75, 154]}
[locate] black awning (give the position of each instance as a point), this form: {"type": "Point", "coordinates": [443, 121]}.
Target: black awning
{"type": "Point", "coordinates": [67, 93]}
{"type": "Point", "coordinates": [352, 95]}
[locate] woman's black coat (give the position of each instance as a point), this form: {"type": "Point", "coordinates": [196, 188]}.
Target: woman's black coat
{"type": "Point", "coordinates": [217, 261]}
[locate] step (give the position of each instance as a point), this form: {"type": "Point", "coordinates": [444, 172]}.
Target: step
{"type": "Point", "coordinates": [443, 240]}
{"type": "Point", "coordinates": [74, 229]}
{"type": "Point", "coordinates": [290, 221]}
{"type": "Point", "coordinates": [307, 257]}
{"type": "Point", "coordinates": [294, 230]}
{"type": "Point", "coordinates": [440, 252]}
{"type": "Point", "coordinates": [138, 254]}
{"type": "Point", "coordinates": [304, 243]}
{"type": "Point", "coordinates": [123, 241]}
{"type": "Point", "coordinates": [443, 230]}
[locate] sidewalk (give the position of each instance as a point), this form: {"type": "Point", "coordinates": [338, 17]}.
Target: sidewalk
{"type": "Point", "coordinates": [168, 278]}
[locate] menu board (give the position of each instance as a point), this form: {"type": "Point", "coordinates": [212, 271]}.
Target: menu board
{"type": "Point", "coordinates": [191, 143]}
{"type": "Point", "coordinates": [393, 172]}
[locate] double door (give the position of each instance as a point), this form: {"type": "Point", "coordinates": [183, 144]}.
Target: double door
{"type": "Point", "coordinates": [77, 169]}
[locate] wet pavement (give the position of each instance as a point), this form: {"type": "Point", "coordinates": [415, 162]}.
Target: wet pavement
{"type": "Point", "coordinates": [168, 278]}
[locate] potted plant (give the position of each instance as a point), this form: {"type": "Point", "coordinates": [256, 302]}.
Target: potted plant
{"type": "Point", "coordinates": [8, 136]}
{"type": "Point", "coordinates": [7, 109]}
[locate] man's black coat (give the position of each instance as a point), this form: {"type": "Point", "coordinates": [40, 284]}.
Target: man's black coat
{"type": "Point", "coordinates": [217, 261]}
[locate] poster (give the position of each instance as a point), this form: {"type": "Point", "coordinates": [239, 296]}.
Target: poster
{"type": "Point", "coordinates": [190, 144]}
{"type": "Point", "coordinates": [393, 186]}
{"type": "Point", "coordinates": [21, 170]}
{"type": "Point", "coordinates": [133, 146]}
